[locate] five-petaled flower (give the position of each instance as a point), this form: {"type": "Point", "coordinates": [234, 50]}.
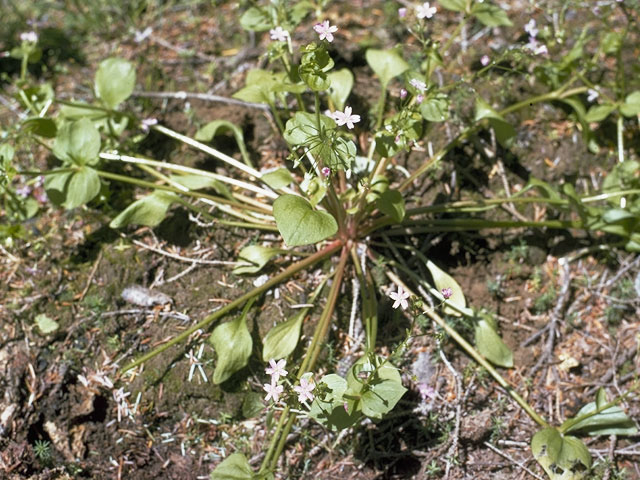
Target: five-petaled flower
{"type": "Point", "coordinates": [346, 117]}
{"type": "Point", "coordinates": [279, 34]}
{"type": "Point", "coordinates": [304, 390]}
{"type": "Point", "coordinates": [446, 293]}
{"type": "Point", "coordinates": [326, 171]}
{"type": "Point", "coordinates": [325, 30]}
{"type": "Point", "coordinates": [418, 84]}
{"type": "Point", "coordinates": [425, 11]}
{"type": "Point", "coordinates": [273, 391]}
{"type": "Point", "coordinates": [531, 28]}
{"type": "Point", "coordinates": [400, 298]}
{"type": "Point", "coordinates": [276, 369]}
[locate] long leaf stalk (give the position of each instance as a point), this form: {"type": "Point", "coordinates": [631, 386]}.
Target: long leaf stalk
{"type": "Point", "coordinates": [183, 169]}
{"type": "Point", "coordinates": [207, 149]}
{"type": "Point", "coordinates": [221, 203]}
{"type": "Point", "coordinates": [204, 323]}
{"type": "Point", "coordinates": [473, 353]}
{"type": "Point", "coordinates": [285, 424]}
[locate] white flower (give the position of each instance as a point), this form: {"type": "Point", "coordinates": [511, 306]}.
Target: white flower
{"type": "Point", "coordinates": [417, 84]}
{"type": "Point", "coordinates": [279, 34]}
{"type": "Point", "coordinates": [485, 60]}
{"type": "Point", "coordinates": [148, 122]}
{"type": "Point", "coordinates": [31, 37]}
{"type": "Point", "coordinates": [592, 95]}
{"type": "Point", "coordinates": [400, 298]}
{"type": "Point", "coordinates": [276, 369]}
{"type": "Point", "coordinates": [345, 118]}
{"type": "Point", "coordinates": [530, 28]}
{"type": "Point", "coordinates": [425, 11]}
{"type": "Point", "coordinates": [536, 47]}
{"type": "Point", "coordinates": [324, 30]}
{"type": "Point", "coordinates": [304, 390]}
{"type": "Point", "coordinates": [141, 36]}
{"type": "Point", "coordinates": [273, 391]}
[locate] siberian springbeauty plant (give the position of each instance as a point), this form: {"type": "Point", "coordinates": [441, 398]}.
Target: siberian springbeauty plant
{"type": "Point", "coordinates": [341, 196]}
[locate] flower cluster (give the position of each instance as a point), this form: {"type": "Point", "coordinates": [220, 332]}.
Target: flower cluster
{"type": "Point", "coordinates": [275, 389]}
{"type": "Point", "coordinates": [533, 45]}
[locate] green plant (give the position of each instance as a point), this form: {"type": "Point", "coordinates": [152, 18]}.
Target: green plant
{"type": "Point", "coordinates": [42, 450]}
{"type": "Point", "coordinates": [348, 204]}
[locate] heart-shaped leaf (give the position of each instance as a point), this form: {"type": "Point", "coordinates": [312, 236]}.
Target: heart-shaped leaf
{"type": "Point", "coordinates": [232, 343]}
{"type": "Point", "coordinates": [491, 346]}
{"type": "Point", "coordinates": [278, 178]}
{"type": "Point", "coordinates": [386, 64]}
{"type": "Point", "coordinates": [282, 339]}
{"type": "Point", "coordinates": [436, 108]}
{"type": "Point", "coordinates": [443, 280]}
{"type": "Point", "coordinates": [234, 467]}
{"type": "Point", "coordinates": [341, 85]}
{"type": "Point", "coordinates": [391, 203]}
{"type": "Point", "coordinates": [299, 223]}
{"type": "Point", "coordinates": [562, 457]}
{"type": "Point", "coordinates": [115, 80]}
{"type": "Point", "coordinates": [254, 257]}
{"type": "Point", "coordinates": [78, 143]}
{"type": "Point", "coordinates": [72, 189]}
{"type": "Point", "coordinates": [149, 210]}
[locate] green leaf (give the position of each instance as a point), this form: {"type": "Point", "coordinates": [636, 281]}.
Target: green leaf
{"type": "Point", "coordinates": [46, 324]}
{"type": "Point", "coordinates": [504, 131]}
{"type": "Point", "coordinates": [232, 343]}
{"type": "Point", "coordinates": [149, 210]}
{"type": "Point", "coordinates": [611, 42]}
{"type": "Point", "coordinates": [256, 20]}
{"type": "Point", "coordinates": [562, 457]}
{"type": "Point", "coordinates": [301, 129]}
{"type": "Point", "coordinates": [255, 257]}
{"type": "Point", "coordinates": [444, 280]}
{"type": "Point", "coordinates": [454, 5]}
{"type": "Point", "coordinates": [72, 189]}
{"type": "Point", "coordinates": [260, 86]}
{"type": "Point", "coordinates": [611, 421]}
{"type": "Point", "coordinates": [328, 408]}
{"type": "Point", "coordinates": [252, 404]}
{"type": "Point", "coordinates": [211, 129]}
{"type": "Point", "coordinates": [78, 142]}
{"type": "Point", "coordinates": [45, 127]}
{"type": "Point", "coordinates": [115, 80]}
{"type": "Point", "coordinates": [391, 203]}
{"type": "Point", "coordinates": [386, 64]}
{"type": "Point", "coordinates": [597, 113]}
{"type": "Point", "coordinates": [234, 467]}
{"type": "Point", "coordinates": [380, 390]}
{"type": "Point", "coordinates": [299, 223]}
{"type": "Point", "coordinates": [341, 85]}
{"type": "Point", "coordinates": [631, 105]}
{"type": "Point", "coordinates": [282, 339]}
{"type": "Point", "coordinates": [491, 346]}
{"type": "Point", "coordinates": [278, 178]}
{"type": "Point", "coordinates": [491, 15]}
{"type": "Point", "coordinates": [436, 108]}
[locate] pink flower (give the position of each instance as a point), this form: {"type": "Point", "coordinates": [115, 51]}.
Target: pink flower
{"type": "Point", "coordinates": [400, 298]}
{"type": "Point", "coordinates": [417, 84]}
{"type": "Point", "coordinates": [419, 99]}
{"type": "Point", "coordinates": [345, 118]}
{"type": "Point", "coordinates": [485, 60]}
{"type": "Point", "coordinates": [446, 293]}
{"type": "Point", "coordinates": [276, 369]}
{"type": "Point", "coordinates": [402, 12]}
{"type": "Point", "coordinates": [273, 391]}
{"type": "Point", "coordinates": [425, 11]}
{"type": "Point", "coordinates": [403, 93]}
{"type": "Point", "coordinates": [324, 30]}
{"type": "Point", "coordinates": [279, 34]}
{"type": "Point", "coordinates": [531, 29]}
{"type": "Point", "coordinates": [326, 171]}
{"type": "Point", "coordinates": [304, 390]}
{"type": "Point", "coordinates": [426, 391]}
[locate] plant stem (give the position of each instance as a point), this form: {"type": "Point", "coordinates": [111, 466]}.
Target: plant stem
{"type": "Point", "coordinates": [206, 149]}
{"type": "Point", "coordinates": [473, 353]}
{"type": "Point", "coordinates": [280, 435]}
{"type": "Point", "coordinates": [291, 270]}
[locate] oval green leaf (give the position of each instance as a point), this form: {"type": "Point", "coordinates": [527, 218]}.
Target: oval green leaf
{"type": "Point", "coordinates": [299, 223]}
{"type": "Point", "coordinates": [149, 210]}
{"type": "Point", "coordinates": [282, 339]}
{"type": "Point", "coordinates": [232, 343]}
{"type": "Point", "coordinates": [234, 467]}
{"type": "Point", "coordinates": [115, 80]}
{"type": "Point", "coordinates": [341, 85]}
{"type": "Point", "coordinates": [254, 257]}
{"type": "Point", "coordinates": [491, 346]}
{"type": "Point", "coordinates": [443, 280]}
{"type": "Point", "coordinates": [386, 64]}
